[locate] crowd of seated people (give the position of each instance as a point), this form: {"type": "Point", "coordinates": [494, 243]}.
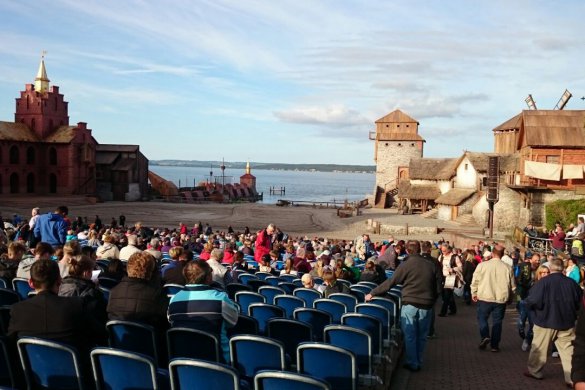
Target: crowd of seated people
{"type": "Point", "coordinates": [141, 260]}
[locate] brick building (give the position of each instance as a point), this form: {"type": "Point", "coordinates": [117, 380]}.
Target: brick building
{"type": "Point", "coordinates": [40, 153]}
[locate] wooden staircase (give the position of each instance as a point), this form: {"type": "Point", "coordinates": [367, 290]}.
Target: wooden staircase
{"type": "Point", "coordinates": [384, 199]}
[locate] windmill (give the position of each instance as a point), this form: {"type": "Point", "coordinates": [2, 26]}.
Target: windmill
{"type": "Point", "coordinates": [560, 104]}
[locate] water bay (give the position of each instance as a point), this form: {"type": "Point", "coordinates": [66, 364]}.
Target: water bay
{"type": "Point", "coordinates": [300, 185]}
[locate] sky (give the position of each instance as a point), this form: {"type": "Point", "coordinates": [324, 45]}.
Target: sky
{"type": "Point", "coordinates": [293, 81]}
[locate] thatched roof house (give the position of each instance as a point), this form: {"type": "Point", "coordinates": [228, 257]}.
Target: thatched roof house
{"type": "Point", "coordinates": [455, 196]}
{"type": "Point", "coordinates": [409, 191]}
{"type": "Point", "coordinates": [432, 168]}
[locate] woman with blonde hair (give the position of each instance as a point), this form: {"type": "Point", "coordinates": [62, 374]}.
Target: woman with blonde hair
{"type": "Point", "coordinates": [206, 254]}
{"type": "Point", "coordinates": [71, 250]}
{"type": "Point", "coordinates": [108, 250]}
{"type": "Point", "coordinates": [288, 268]}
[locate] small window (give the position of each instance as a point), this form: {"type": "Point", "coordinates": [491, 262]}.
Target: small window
{"type": "Point", "coordinates": [407, 125]}
{"type": "Point", "coordinates": [14, 155]}
{"type": "Point", "coordinates": [412, 144]}
{"type": "Point", "coordinates": [466, 166]}
{"type": "Point", "coordinates": [386, 144]}
{"type": "Point", "coordinates": [387, 125]}
{"type": "Point", "coordinates": [399, 144]}
{"type": "Point", "coordinates": [397, 125]}
{"type": "Point", "coordinates": [552, 159]}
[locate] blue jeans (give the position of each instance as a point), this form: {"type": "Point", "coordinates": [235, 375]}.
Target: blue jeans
{"type": "Point", "coordinates": [524, 316]}
{"type": "Point", "coordinates": [497, 311]}
{"type": "Point", "coordinates": [415, 324]}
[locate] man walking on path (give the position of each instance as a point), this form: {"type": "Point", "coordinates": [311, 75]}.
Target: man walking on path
{"type": "Point", "coordinates": [419, 278]}
{"type": "Point", "coordinates": [491, 287]}
{"type": "Point", "coordinates": [554, 301]}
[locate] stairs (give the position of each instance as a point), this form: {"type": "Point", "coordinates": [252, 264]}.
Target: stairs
{"type": "Point", "coordinates": [384, 199]}
{"type": "Point", "coordinates": [432, 213]}
{"type": "Point", "coordinates": [466, 220]}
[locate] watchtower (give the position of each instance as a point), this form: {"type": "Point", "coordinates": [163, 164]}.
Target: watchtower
{"type": "Point", "coordinates": [396, 142]}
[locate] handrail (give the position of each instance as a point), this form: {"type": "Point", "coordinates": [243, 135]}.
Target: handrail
{"type": "Point", "coordinates": [544, 245]}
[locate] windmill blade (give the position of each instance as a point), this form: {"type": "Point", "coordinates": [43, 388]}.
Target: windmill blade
{"type": "Point", "coordinates": [563, 100]}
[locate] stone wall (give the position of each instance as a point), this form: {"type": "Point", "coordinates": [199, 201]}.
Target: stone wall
{"type": "Point", "coordinates": [391, 155]}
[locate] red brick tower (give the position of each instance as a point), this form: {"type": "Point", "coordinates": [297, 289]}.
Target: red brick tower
{"type": "Point", "coordinates": [40, 107]}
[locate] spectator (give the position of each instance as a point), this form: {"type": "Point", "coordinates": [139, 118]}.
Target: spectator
{"type": "Point", "coordinates": [138, 297]}
{"type": "Point", "coordinates": [10, 260]}
{"type": "Point", "coordinates": [554, 301]}
{"type": "Point", "coordinates": [420, 280]}
{"type": "Point", "coordinates": [154, 249]}
{"type": "Point", "coordinates": [108, 250]}
{"type": "Point", "coordinates": [115, 270]}
{"type": "Point", "coordinates": [52, 227]}
{"type": "Point", "coordinates": [200, 306]}
{"type": "Point", "coordinates": [308, 282]}
{"type": "Point", "coordinates": [263, 243]}
{"type": "Point", "coordinates": [129, 249]}
{"type": "Point", "coordinates": [42, 251]}
{"type": "Point", "coordinates": [173, 272]}
{"type": "Point", "coordinates": [220, 273]}
{"type": "Point", "coordinates": [332, 286]}
{"type": "Point", "coordinates": [491, 287]}
{"type": "Point", "coordinates": [70, 251]}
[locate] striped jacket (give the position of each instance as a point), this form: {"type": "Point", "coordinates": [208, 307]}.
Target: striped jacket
{"type": "Point", "coordinates": [205, 308]}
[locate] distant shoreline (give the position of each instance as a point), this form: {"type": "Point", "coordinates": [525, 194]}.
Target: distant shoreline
{"type": "Point", "coordinates": [267, 166]}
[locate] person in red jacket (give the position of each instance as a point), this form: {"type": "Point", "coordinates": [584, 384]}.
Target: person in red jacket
{"type": "Point", "coordinates": [263, 243]}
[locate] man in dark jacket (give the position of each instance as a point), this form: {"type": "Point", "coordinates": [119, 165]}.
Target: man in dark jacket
{"type": "Point", "coordinates": [420, 289]}
{"type": "Point", "coordinates": [554, 302]}
{"type": "Point", "coordinates": [52, 227]}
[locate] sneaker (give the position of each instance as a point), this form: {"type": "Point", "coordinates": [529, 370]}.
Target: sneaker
{"type": "Point", "coordinates": [529, 375]}
{"type": "Point", "coordinates": [521, 333]}
{"type": "Point", "coordinates": [556, 354]}
{"type": "Point", "coordinates": [495, 349]}
{"type": "Point", "coordinates": [525, 345]}
{"type": "Point", "coordinates": [431, 336]}
{"type": "Point", "coordinates": [484, 343]}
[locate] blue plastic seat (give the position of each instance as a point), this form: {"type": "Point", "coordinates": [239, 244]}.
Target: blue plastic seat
{"type": "Point", "coordinates": [201, 375]}
{"type": "Point", "coordinates": [255, 284]}
{"type": "Point", "coordinates": [372, 285]}
{"type": "Point", "coordinates": [357, 341]}
{"type": "Point", "coordinates": [232, 288]}
{"type": "Point", "coordinates": [250, 354]}
{"type": "Point", "coordinates": [335, 365]}
{"type": "Point", "coordinates": [4, 319]}
{"type": "Point", "coordinates": [246, 298]}
{"type": "Point", "coordinates": [263, 275]}
{"type": "Point", "coordinates": [21, 287]}
{"type": "Point", "coordinates": [133, 337]}
{"type": "Point", "coordinates": [317, 280]}
{"type": "Point", "coordinates": [272, 280]}
{"type": "Point", "coordinates": [288, 287]}
{"type": "Point", "coordinates": [263, 312]}
{"type": "Point", "coordinates": [298, 283]}
{"type": "Point", "coordinates": [6, 362]}
{"type": "Point", "coordinates": [382, 314]}
{"type": "Point", "coordinates": [181, 342]}
{"type": "Point", "coordinates": [336, 309]}
{"type": "Point", "coordinates": [388, 304]}
{"type": "Point", "coordinates": [277, 380]}
{"type": "Point", "coordinates": [245, 325]}
{"type": "Point", "coordinates": [291, 333]}
{"type": "Point", "coordinates": [121, 370]}
{"type": "Point", "coordinates": [361, 287]}
{"type": "Point", "coordinates": [49, 365]}
{"type": "Point", "coordinates": [308, 295]}
{"type": "Point", "coordinates": [370, 324]}
{"type": "Point", "coordinates": [346, 282]}
{"type": "Point", "coordinates": [288, 277]}
{"type": "Point", "coordinates": [289, 303]}
{"type": "Point", "coordinates": [105, 293]}
{"type": "Point", "coordinates": [269, 292]}
{"type": "Point", "coordinates": [108, 283]}
{"type": "Point", "coordinates": [317, 319]}
{"type": "Point", "coordinates": [347, 299]}
{"type": "Point", "coordinates": [359, 295]}
{"type": "Point", "coordinates": [244, 278]}
{"type": "Point", "coordinates": [8, 297]}
{"type": "Point", "coordinates": [4, 283]}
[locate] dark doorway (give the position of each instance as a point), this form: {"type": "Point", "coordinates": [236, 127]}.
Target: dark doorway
{"type": "Point", "coordinates": [14, 183]}
{"type": "Point", "coordinates": [52, 183]}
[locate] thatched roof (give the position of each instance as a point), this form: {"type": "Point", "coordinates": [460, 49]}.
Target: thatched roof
{"type": "Point", "coordinates": [432, 168]}
{"type": "Point", "coordinates": [397, 116]}
{"type": "Point", "coordinates": [556, 128]}
{"type": "Point", "coordinates": [409, 191]}
{"type": "Point", "coordinates": [508, 162]}
{"type": "Point", "coordinates": [63, 135]}
{"type": "Point", "coordinates": [455, 196]}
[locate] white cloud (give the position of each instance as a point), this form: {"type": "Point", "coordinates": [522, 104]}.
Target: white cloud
{"type": "Point", "coordinates": [333, 116]}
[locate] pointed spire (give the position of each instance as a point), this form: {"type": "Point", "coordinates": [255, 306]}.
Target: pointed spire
{"type": "Point", "coordinates": [42, 81]}
{"type": "Point", "coordinates": [248, 170]}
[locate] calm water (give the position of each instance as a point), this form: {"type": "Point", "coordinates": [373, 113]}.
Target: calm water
{"type": "Point", "coordinates": [310, 186]}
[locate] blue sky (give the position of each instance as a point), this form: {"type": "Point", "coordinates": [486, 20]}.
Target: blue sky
{"type": "Point", "coordinates": [298, 81]}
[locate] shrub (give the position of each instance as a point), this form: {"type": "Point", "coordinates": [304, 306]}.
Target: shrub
{"type": "Point", "coordinates": [564, 211]}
